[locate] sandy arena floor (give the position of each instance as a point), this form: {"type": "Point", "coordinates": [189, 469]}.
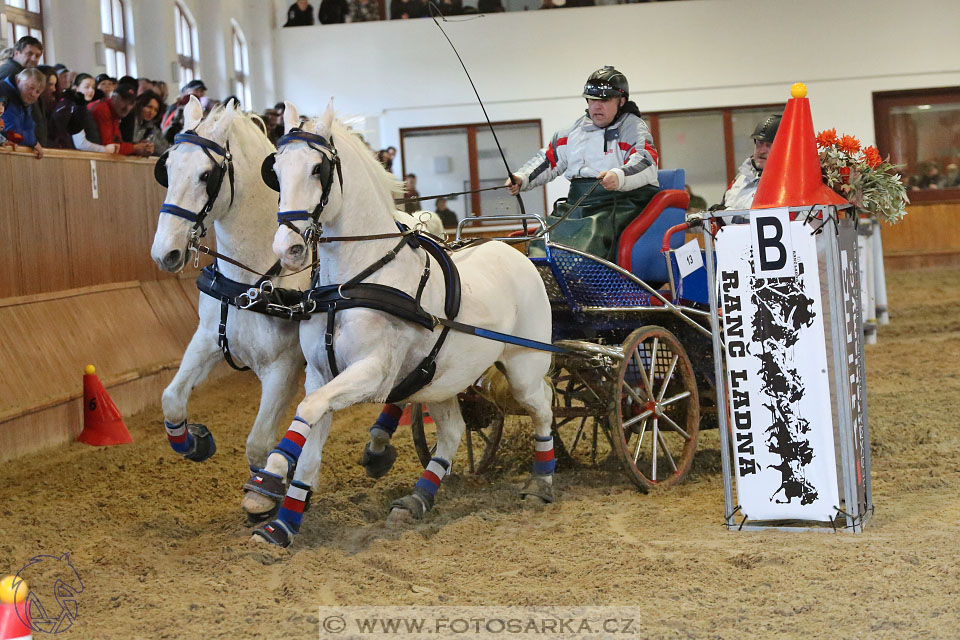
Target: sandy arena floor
{"type": "Point", "coordinates": [163, 550]}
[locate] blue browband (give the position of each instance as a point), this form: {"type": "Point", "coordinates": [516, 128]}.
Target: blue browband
{"type": "Point", "coordinates": [191, 138]}
{"type": "Point", "coordinates": [305, 136]}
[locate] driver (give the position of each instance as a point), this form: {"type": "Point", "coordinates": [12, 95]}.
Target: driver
{"type": "Point", "coordinates": [610, 143]}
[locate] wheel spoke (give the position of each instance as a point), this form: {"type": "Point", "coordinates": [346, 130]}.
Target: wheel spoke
{"type": "Point", "coordinates": [676, 427]}
{"type": "Point", "coordinates": [470, 452]}
{"type": "Point", "coordinates": [666, 380]}
{"type": "Point", "coordinates": [636, 453]}
{"type": "Point", "coordinates": [483, 436]}
{"type": "Point", "coordinates": [653, 466]}
{"type": "Point", "coordinates": [576, 438]}
{"type": "Point", "coordinates": [633, 420]}
{"type": "Point", "coordinates": [633, 393]}
{"type": "Point", "coordinates": [653, 363]}
{"type": "Point", "coordinates": [643, 374]}
{"type": "Point", "coordinates": [666, 450]}
{"type": "Point", "coordinates": [679, 396]}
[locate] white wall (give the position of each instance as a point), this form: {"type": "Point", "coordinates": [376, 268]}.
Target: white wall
{"type": "Point", "coordinates": [691, 54]}
{"type": "Point", "coordinates": [71, 27]}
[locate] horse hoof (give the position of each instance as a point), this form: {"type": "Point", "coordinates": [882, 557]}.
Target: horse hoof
{"type": "Point", "coordinates": [378, 464]}
{"type": "Point", "coordinates": [258, 507]}
{"type": "Point", "coordinates": [399, 517]}
{"type": "Point", "coordinates": [203, 445]}
{"type": "Point", "coordinates": [537, 491]}
{"type": "Point", "coordinates": [273, 532]}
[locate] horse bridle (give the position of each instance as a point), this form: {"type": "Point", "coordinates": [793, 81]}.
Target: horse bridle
{"type": "Point", "coordinates": [214, 181]}
{"type": "Point", "coordinates": [330, 162]}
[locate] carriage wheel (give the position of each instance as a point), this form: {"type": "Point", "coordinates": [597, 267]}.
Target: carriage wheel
{"type": "Point", "coordinates": [657, 420]}
{"type": "Point", "coordinates": [484, 422]}
{"type": "Point", "coordinates": [579, 440]}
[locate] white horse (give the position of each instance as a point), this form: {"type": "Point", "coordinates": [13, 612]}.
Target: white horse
{"type": "Point", "coordinates": [241, 211]}
{"type": "Point", "coordinates": [501, 291]}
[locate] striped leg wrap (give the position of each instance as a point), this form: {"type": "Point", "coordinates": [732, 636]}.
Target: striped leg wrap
{"type": "Point", "coordinates": [294, 439]}
{"type": "Point", "coordinates": [291, 510]}
{"type": "Point", "coordinates": [389, 419]}
{"type": "Point", "coordinates": [180, 439]}
{"type": "Point", "coordinates": [430, 479]}
{"type": "Point", "coordinates": [543, 460]}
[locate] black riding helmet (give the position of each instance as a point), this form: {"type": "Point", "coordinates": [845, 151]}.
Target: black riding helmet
{"type": "Point", "coordinates": [606, 83]}
{"type": "Point", "coordinates": [766, 129]}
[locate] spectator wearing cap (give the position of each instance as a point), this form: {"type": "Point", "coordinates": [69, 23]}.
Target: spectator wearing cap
{"type": "Point", "coordinates": [107, 114]}
{"type": "Point", "coordinates": [300, 14]}
{"type": "Point", "coordinates": [21, 92]}
{"type": "Point", "coordinates": [105, 86]}
{"type": "Point", "coordinates": [173, 119]}
{"type": "Point", "coordinates": [26, 55]}
{"type": "Point", "coordinates": [64, 77]}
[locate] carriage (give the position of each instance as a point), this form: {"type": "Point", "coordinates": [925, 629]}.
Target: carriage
{"type": "Point", "coordinates": [636, 373]}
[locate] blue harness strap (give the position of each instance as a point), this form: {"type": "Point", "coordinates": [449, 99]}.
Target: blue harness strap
{"type": "Point", "coordinates": [173, 209]}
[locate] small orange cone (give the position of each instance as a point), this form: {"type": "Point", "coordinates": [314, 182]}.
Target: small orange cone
{"type": "Point", "coordinates": [406, 417]}
{"type": "Point", "coordinates": [102, 422]}
{"type": "Point", "coordinates": [791, 176]}
{"type": "Point", "coordinates": [14, 609]}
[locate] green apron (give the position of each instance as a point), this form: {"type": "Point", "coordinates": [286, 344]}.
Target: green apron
{"type": "Point", "coordinates": [595, 226]}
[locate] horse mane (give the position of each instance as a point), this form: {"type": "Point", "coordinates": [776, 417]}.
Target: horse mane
{"type": "Point", "coordinates": [246, 130]}
{"type": "Point", "coordinates": [345, 137]}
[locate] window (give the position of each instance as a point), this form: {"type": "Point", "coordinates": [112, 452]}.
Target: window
{"type": "Point", "coordinates": [24, 19]}
{"type": "Point", "coordinates": [458, 158]}
{"type": "Point", "coordinates": [241, 68]}
{"type": "Point", "coordinates": [186, 28]}
{"type": "Point", "coordinates": [114, 37]}
{"type": "Point", "coordinates": [920, 130]}
{"type": "Point", "coordinates": [708, 144]}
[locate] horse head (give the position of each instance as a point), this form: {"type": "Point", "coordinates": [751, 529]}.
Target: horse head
{"type": "Point", "coordinates": [198, 173]}
{"type": "Point", "coordinates": [306, 171]}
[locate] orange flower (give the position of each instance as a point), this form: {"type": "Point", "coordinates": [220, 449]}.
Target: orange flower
{"type": "Point", "coordinates": [827, 138]}
{"type": "Point", "coordinates": [872, 157]}
{"type": "Point", "coordinates": [849, 144]}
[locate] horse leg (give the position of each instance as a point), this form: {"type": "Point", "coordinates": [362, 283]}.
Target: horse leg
{"type": "Point", "coordinates": [379, 455]}
{"type": "Point", "coordinates": [450, 428]}
{"type": "Point", "coordinates": [278, 386]}
{"type": "Point", "coordinates": [192, 441]}
{"type": "Point", "coordinates": [280, 531]}
{"type": "Point", "coordinates": [525, 370]}
{"type": "Point", "coordinates": [348, 388]}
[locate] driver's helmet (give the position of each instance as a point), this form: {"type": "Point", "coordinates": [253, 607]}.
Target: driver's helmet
{"type": "Point", "coordinates": [766, 129]}
{"type": "Point", "coordinates": [606, 83]}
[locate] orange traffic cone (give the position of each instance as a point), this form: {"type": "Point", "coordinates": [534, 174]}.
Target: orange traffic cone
{"type": "Point", "coordinates": [406, 417]}
{"type": "Point", "coordinates": [792, 177]}
{"type": "Point", "coordinates": [14, 610]}
{"type": "Point", "coordinates": [102, 422]}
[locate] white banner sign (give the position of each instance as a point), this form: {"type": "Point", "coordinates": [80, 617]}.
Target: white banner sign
{"type": "Point", "coordinates": [779, 402]}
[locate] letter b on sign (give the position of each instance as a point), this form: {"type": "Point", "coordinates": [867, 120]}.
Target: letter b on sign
{"type": "Point", "coordinates": [772, 245]}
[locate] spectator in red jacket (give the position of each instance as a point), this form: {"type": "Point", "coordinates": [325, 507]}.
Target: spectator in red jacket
{"type": "Point", "coordinates": [107, 114]}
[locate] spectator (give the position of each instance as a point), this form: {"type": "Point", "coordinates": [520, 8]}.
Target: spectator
{"type": "Point", "coordinates": [447, 217]}
{"type": "Point", "coordinates": [173, 119]}
{"type": "Point", "coordinates": [3, 140]}
{"type": "Point", "coordinates": [45, 104]}
{"type": "Point", "coordinates": [105, 86]}
{"type": "Point", "coordinates": [144, 85]}
{"type": "Point", "coordinates": [333, 11]}
{"type": "Point", "coordinates": [744, 187]}
{"type": "Point", "coordinates": [951, 177]}
{"type": "Point", "coordinates": [489, 6]}
{"type": "Point", "coordinates": [410, 191]}
{"type": "Point", "coordinates": [364, 11]}
{"type": "Point", "coordinates": [407, 9]}
{"type": "Point", "coordinates": [146, 112]}
{"type": "Point", "coordinates": [386, 156]}
{"type": "Point", "coordinates": [930, 178]}
{"type": "Point", "coordinates": [107, 114]}
{"type": "Point", "coordinates": [21, 92]}
{"type": "Point", "coordinates": [64, 78]}
{"type": "Point", "coordinates": [300, 14]}
{"type": "Point", "coordinates": [449, 7]}
{"type": "Point", "coordinates": [71, 118]}
{"type": "Point", "coordinates": [26, 55]}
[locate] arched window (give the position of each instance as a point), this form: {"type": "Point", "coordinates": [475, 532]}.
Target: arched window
{"type": "Point", "coordinates": [23, 19]}
{"type": "Point", "coordinates": [112, 24]}
{"type": "Point", "coordinates": [186, 28]}
{"type": "Point", "coordinates": [241, 67]}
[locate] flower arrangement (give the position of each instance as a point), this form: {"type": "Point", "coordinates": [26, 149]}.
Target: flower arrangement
{"type": "Point", "coordinates": [870, 183]}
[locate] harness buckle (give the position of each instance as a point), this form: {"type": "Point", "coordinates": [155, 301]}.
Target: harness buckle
{"type": "Point", "coordinates": [244, 301]}
{"type": "Point", "coordinates": [266, 287]}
